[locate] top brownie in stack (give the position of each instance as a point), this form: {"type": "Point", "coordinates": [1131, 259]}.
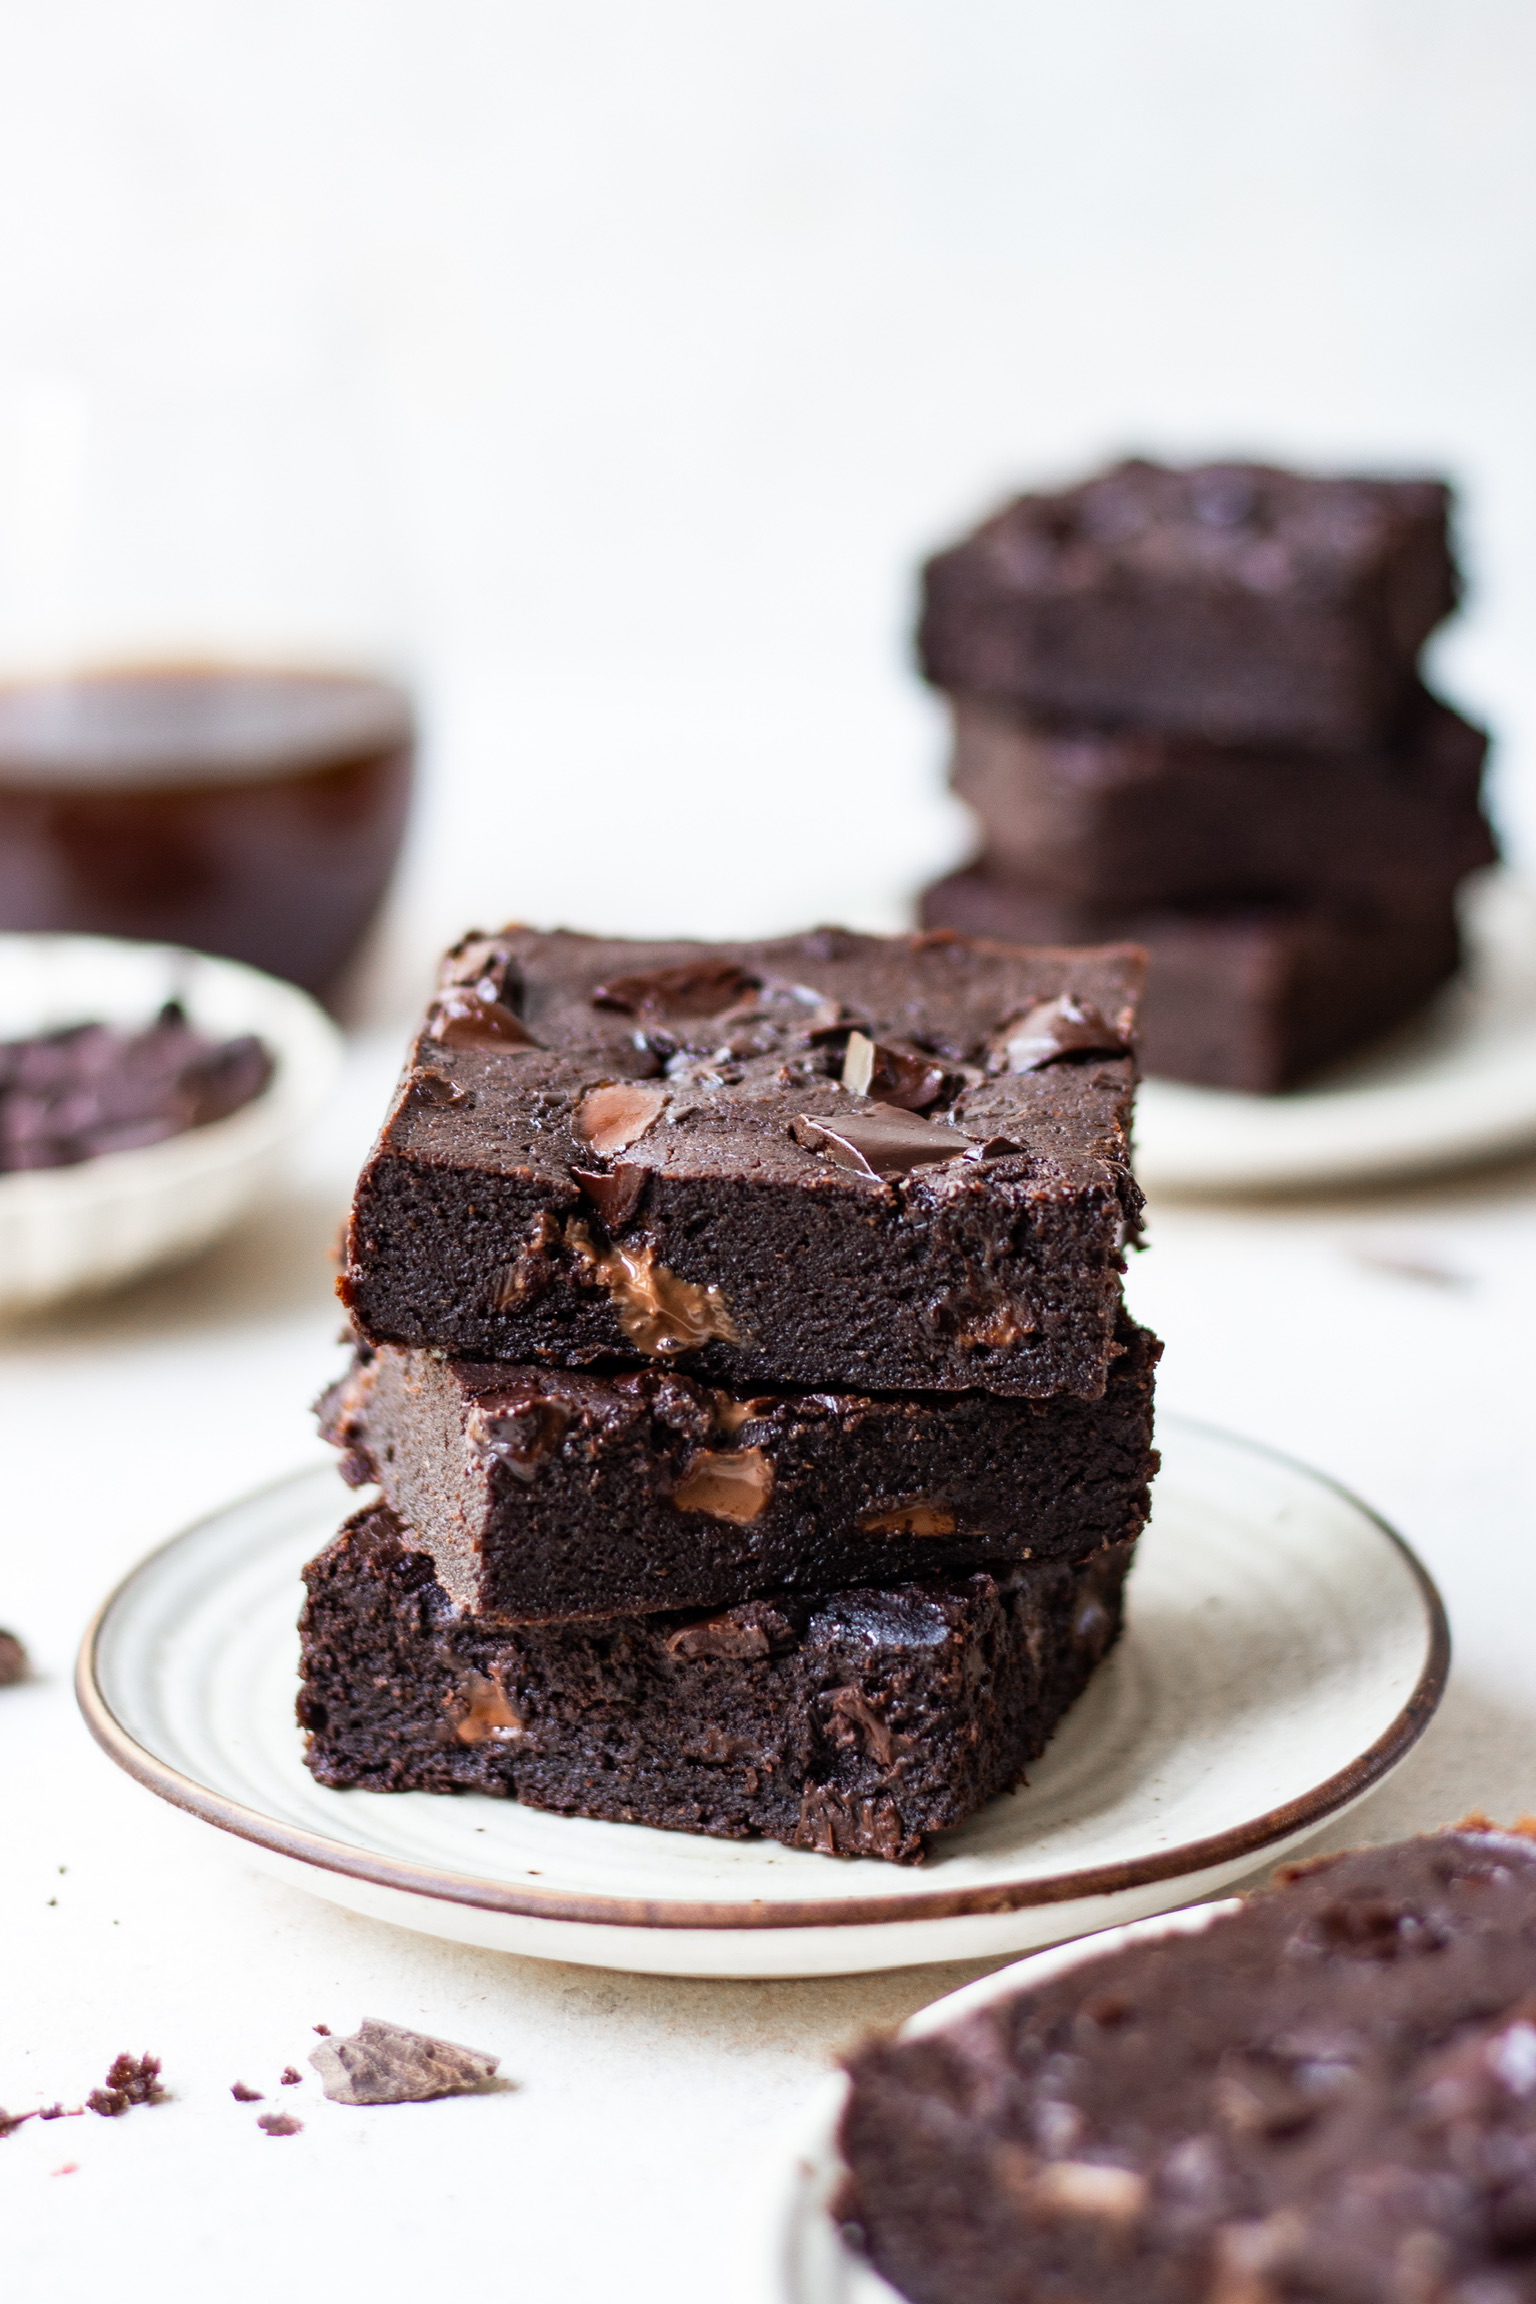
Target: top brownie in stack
{"type": "Point", "coordinates": [1233, 602]}
{"type": "Point", "coordinates": [890, 1163]}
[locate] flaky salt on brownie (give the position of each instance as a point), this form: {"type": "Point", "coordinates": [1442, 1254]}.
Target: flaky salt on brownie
{"type": "Point", "coordinates": [884, 1163]}
{"type": "Point", "coordinates": [544, 1493]}
{"type": "Point", "coordinates": [1326, 2097]}
{"type": "Point", "coordinates": [851, 1723]}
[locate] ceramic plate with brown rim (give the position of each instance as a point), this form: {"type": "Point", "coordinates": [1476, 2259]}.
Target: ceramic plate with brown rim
{"type": "Point", "coordinates": [1284, 1652]}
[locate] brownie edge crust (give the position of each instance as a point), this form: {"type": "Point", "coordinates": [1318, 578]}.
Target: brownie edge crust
{"type": "Point", "coordinates": [1326, 2097]}
{"type": "Point", "coordinates": [852, 1723]}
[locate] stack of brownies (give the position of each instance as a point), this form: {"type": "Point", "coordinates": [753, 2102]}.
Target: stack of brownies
{"type": "Point", "coordinates": [761, 1438]}
{"type": "Point", "coordinates": [1187, 711]}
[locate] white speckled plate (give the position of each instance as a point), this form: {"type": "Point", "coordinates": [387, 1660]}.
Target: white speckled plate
{"type": "Point", "coordinates": [809, 2263]}
{"type": "Point", "coordinates": [1284, 1651]}
{"type": "Point", "coordinates": [1457, 1084]}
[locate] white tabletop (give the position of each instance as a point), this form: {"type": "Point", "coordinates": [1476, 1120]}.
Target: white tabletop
{"type": "Point", "coordinates": [1385, 1338]}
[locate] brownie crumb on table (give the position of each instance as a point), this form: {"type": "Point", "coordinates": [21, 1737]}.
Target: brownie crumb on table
{"type": "Point", "coordinates": [279, 2123]}
{"type": "Point", "coordinates": [130, 2080]}
{"type": "Point", "coordinates": [15, 1665]}
{"type": "Point", "coordinates": [244, 2095]}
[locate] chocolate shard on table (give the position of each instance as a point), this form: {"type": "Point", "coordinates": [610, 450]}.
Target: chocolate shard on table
{"type": "Point", "coordinates": [805, 1163]}
{"type": "Point", "coordinates": [1328, 2095]}
{"type": "Point", "coordinates": [1231, 602]}
{"type": "Point", "coordinates": [1249, 996]}
{"type": "Point", "coordinates": [851, 1723]}
{"type": "Point", "coordinates": [1133, 817]}
{"type": "Point", "coordinates": [545, 1493]}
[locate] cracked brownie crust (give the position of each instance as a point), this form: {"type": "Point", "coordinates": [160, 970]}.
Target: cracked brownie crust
{"type": "Point", "coordinates": [852, 1723]}
{"type": "Point", "coordinates": [878, 1163]}
{"type": "Point", "coordinates": [543, 1492]}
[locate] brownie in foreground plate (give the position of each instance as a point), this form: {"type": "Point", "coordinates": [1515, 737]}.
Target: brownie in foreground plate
{"type": "Point", "coordinates": [878, 1163]}
{"type": "Point", "coordinates": [547, 1492]}
{"type": "Point", "coordinates": [1230, 601]}
{"type": "Point", "coordinates": [1125, 816]}
{"type": "Point", "coordinates": [1247, 996]}
{"type": "Point", "coordinates": [851, 1723]}
{"type": "Point", "coordinates": [1328, 2097]}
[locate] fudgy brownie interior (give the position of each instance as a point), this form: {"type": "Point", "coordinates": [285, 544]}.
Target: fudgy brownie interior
{"type": "Point", "coordinates": [852, 1723]}
{"type": "Point", "coordinates": [548, 1492]}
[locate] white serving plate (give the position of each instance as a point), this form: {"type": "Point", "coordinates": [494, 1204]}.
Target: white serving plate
{"type": "Point", "coordinates": [1457, 1085]}
{"type": "Point", "coordinates": [810, 2264]}
{"type": "Point", "coordinates": [1284, 1652]}
{"type": "Point", "coordinates": [65, 1231]}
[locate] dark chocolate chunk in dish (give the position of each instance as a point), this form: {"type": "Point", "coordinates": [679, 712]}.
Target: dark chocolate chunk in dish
{"type": "Point", "coordinates": [546, 1492]}
{"type": "Point", "coordinates": [90, 1089]}
{"type": "Point", "coordinates": [851, 1723]}
{"type": "Point", "coordinates": [817, 1161]}
{"type": "Point", "coordinates": [1327, 2097]}
{"type": "Point", "coordinates": [1230, 602]}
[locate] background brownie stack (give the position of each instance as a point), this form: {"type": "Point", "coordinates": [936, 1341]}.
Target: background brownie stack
{"type": "Point", "coordinates": [761, 1438]}
{"type": "Point", "coordinates": [1186, 710]}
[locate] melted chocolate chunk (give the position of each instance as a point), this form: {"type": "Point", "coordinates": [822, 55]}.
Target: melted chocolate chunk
{"type": "Point", "coordinates": [659, 1313]}
{"type": "Point", "coordinates": [615, 1195]}
{"type": "Point", "coordinates": [701, 988]}
{"type": "Point", "coordinates": [484, 964]}
{"type": "Point", "coordinates": [1055, 1028]}
{"type": "Point", "coordinates": [728, 1485]}
{"type": "Point", "coordinates": [435, 1088]}
{"type": "Point", "coordinates": [884, 1143]}
{"type": "Point", "coordinates": [468, 1019]}
{"type": "Point", "coordinates": [617, 1114]}
{"type": "Point", "coordinates": [907, 1078]}
{"type": "Point", "coordinates": [482, 1714]}
{"type": "Point", "coordinates": [521, 1433]}
{"type": "Point", "coordinates": [919, 1516]}
{"type": "Point", "coordinates": [386, 2064]}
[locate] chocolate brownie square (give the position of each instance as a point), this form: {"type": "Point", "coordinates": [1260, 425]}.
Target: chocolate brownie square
{"type": "Point", "coordinates": [852, 1723]}
{"type": "Point", "coordinates": [1253, 997]}
{"type": "Point", "coordinates": [1232, 602]}
{"type": "Point", "coordinates": [1325, 2097]}
{"type": "Point", "coordinates": [546, 1493]}
{"type": "Point", "coordinates": [1132, 817]}
{"type": "Point", "coordinates": [871, 1163]}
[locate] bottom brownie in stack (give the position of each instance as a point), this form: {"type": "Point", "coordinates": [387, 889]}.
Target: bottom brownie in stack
{"type": "Point", "coordinates": [850, 1722]}
{"type": "Point", "coordinates": [560, 1597]}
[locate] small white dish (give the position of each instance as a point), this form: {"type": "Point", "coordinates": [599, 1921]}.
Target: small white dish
{"type": "Point", "coordinates": [1457, 1085]}
{"type": "Point", "coordinates": [811, 2263]}
{"type": "Point", "coordinates": [1284, 1652]}
{"type": "Point", "coordinates": [67, 1231]}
